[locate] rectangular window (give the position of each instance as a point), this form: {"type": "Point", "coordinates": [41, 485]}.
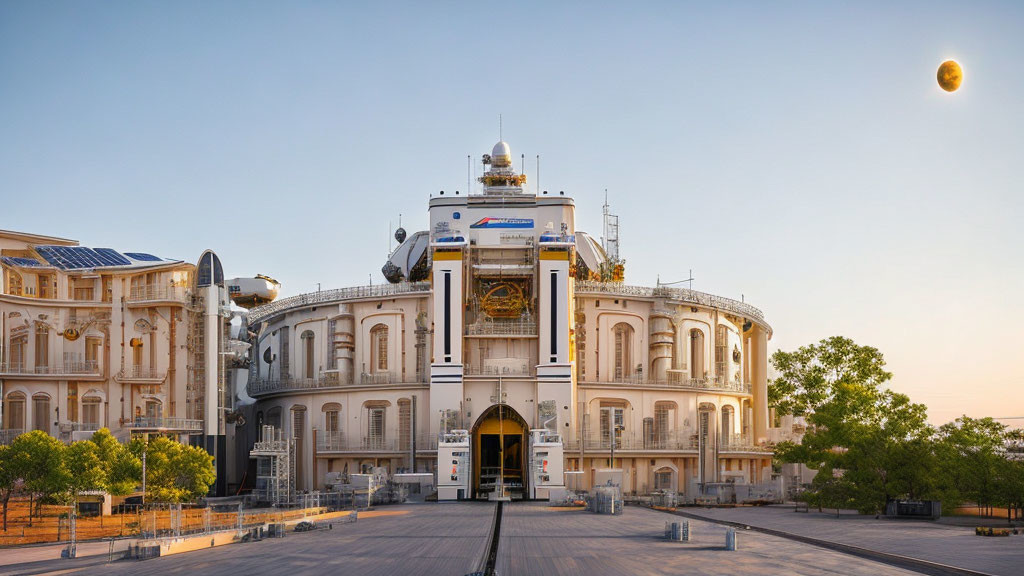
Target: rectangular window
{"type": "Point", "coordinates": [41, 413]}
{"type": "Point", "coordinates": [43, 282]}
{"type": "Point", "coordinates": [92, 351]}
{"type": "Point", "coordinates": [332, 421]}
{"type": "Point", "coordinates": [14, 413]}
{"type": "Point", "coordinates": [42, 347]}
{"type": "Point", "coordinates": [447, 316]}
{"type": "Point", "coordinates": [91, 413]}
{"type": "Point", "coordinates": [611, 419]}
{"type": "Point", "coordinates": [17, 355]}
{"type": "Point", "coordinates": [375, 428]}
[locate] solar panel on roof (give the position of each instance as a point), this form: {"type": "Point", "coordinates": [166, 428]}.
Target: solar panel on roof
{"type": "Point", "coordinates": [75, 257]}
{"type": "Point", "coordinates": [23, 262]}
{"type": "Point", "coordinates": [143, 257]}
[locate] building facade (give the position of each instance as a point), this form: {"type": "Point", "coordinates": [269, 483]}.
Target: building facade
{"type": "Point", "coordinates": [501, 319]}
{"type": "Point", "coordinates": [95, 338]}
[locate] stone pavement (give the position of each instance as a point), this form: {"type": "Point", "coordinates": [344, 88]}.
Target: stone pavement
{"type": "Point", "coordinates": [950, 545]}
{"type": "Point", "coordinates": [538, 540]}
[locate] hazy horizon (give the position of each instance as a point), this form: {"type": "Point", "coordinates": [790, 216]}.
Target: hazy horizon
{"type": "Point", "coordinates": [800, 157]}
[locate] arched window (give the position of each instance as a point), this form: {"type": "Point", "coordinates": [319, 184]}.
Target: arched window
{"type": "Point", "coordinates": [622, 336]}
{"type": "Point", "coordinates": [696, 354]}
{"type": "Point", "coordinates": [41, 412]}
{"type": "Point", "coordinates": [308, 354]}
{"type": "Point", "coordinates": [379, 348]}
{"type": "Point", "coordinates": [404, 424]}
{"type": "Point", "coordinates": [332, 418]}
{"type": "Point", "coordinates": [727, 425]}
{"type": "Point", "coordinates": [274, 417]}
{"type": "Point", "coordinates": [14, 411]}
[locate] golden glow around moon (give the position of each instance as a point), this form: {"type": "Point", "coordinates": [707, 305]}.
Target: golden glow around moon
{"type": "Point", "coordinates": [950, 76]}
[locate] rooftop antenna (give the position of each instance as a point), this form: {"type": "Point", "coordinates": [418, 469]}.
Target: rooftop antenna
{"type": "Point", "coordinates": [611, 231]}
{"type": "Point", "coordinates": [522, 162]}
{"type": "Point", "coordinates": [688, 280]}
{"type": "Point", "coordinates": [469, 164]}
{"type": "Point", "coordinates": [499, 128]}
{"type": "Point", "coordinates": [538, 175]}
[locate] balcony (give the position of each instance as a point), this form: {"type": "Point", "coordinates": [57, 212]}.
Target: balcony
{"type": "Point", "coordinates": [268, 386]}
{"type": "Point", "coordinates": [8, 435]}
{"type": "Point", "coordinates": [73, 431]}
{"type": "Point", "coordinates": [139, 295]}
{"type": "Point", "coordinates": [673, 441]}
{"type": "Point", "coordinates": [141, 375]}
{"type": "Point", "coordinates": [161, 424]}
{"type": "Point", "coordinates": [76, 370]}
{"type": "Point", "coordinates": [743, 443]}
{"type": "Point", "coordinates": [677, 380]}
{"type": "Point", "coordinates": [519, 368]}
{"type": "Point", "coordinates": [502, 327]}
{"type": "Point", "coordinates": [337, 442]}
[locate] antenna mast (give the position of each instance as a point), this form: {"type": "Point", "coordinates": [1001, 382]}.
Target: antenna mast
{"type": "Point", "coordinates": [611, 231]}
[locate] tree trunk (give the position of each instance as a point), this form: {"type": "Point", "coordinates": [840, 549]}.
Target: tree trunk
{"type": "Point", "coordinates": [7, 499]}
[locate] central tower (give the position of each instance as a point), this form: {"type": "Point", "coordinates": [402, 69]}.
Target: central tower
{"type": "Point", "coordinates": [502, 309]}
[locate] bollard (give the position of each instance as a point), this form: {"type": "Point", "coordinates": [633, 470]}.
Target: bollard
{"type": "Point", "coordinates": [730, 539]}
{"type": "Point", "coordinates": [677, 531]}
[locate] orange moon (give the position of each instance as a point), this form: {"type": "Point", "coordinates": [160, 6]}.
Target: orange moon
{"type": "Point", "coordinates": [950, 75]}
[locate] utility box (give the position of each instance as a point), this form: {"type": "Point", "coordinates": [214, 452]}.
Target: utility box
{"type": "Point", "coordinates": [547, 477]}
{"type": "Point", "coordinates": [453, 466]}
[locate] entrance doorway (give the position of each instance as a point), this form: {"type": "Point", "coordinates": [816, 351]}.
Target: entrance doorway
{"type": "Point", "coordinates": [499, 452]}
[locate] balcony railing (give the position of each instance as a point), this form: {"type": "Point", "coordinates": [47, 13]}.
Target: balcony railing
{"type": "Point", "coordinates": [9, 434]}
{"type": "Point", "coordinates": [261, 313]}
{"type": "Point", "coordinates": [161, 423]}
{"type": "Point", "coordinates": [65, 369]}
{"type": "Point", "coordinates": [672, 441]}
{"type": "Point", "coordinates": [140, 373]}
{"type": "Point", "coordinates": [338, 442]}
{"type": "Point", "coordinates": [502, 327]}
{"type": "Point", "coordinates": [261, 386]}
{"type": "Point", "coordinates": [716, 384]}
{"type": "Point", "coordinates": [521, 369]}
{"type": "Point", "coordinates": [157, 292]}
{"type": "Point", "coordinates": [376, 378]}
{"type": "Point", "coordinates": [679, 294]}
{"type": "Point", "coordinates": [682, 440]}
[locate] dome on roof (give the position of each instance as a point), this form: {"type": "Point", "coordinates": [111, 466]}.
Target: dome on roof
{"type": "Point", "coordinates": [501, 154]}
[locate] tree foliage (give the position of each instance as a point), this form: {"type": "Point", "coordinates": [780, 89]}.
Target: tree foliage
{"type": "Point", "coordinates": [871, 445]}
{"type": "Point", "coordinates": [122, 470]}
{"type": "Point", "coordinates": [176, 472]}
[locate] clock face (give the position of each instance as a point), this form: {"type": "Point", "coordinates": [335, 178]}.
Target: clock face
{"type": "Point", "coordinates": [71, 334]}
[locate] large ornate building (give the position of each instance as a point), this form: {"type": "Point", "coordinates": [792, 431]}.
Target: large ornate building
{"type": "Point", "coordinates": [93, 337]}
{"type": "Point", "coordinates": [503, 318]}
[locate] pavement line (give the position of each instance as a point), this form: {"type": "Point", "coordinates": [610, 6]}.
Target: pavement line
{"type": "Point", "coordinates": [897, 560]}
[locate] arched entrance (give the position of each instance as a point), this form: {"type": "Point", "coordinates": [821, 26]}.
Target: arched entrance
{"type": "Point", "coordinates": [499, 452]}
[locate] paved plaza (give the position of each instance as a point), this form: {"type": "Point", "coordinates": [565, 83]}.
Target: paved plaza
{"type": "Point", "coordinates": [453, 538]}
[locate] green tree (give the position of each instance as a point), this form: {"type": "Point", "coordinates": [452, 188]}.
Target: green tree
{"type": "Point", "coordinates": [12, 475]}
{"type": "Point", "coordinates": [176, 472]}
{"type": "Point", "coordinates": [122, 469]}
{"type": "Point", "coordinates": [84, 469]}
{"type": "Point", "coordinates": [867, 443]}
{"type": "Point", "coordinates": [972, 453]}
{"type": "Point", "coordinates": [44, 473]}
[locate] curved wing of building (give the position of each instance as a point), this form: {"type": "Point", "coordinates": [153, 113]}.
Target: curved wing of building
{"type": "Point", "coordinates": [504, 360]}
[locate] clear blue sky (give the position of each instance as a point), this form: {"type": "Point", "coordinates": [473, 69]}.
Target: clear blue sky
{"type": "Point", "coordinates": [800, 154]}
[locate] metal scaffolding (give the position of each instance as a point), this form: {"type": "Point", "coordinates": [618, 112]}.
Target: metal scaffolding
{"type": "Point", "coordinates": [275, 468]}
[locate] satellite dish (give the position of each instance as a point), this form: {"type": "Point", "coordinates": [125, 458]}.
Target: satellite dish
{"type": "Point", "coordinates": [400, 235]}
